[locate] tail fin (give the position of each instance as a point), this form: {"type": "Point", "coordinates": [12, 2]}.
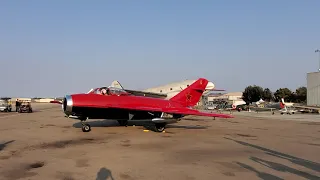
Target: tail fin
{"type": "Point", "coordinates": [282, 104]}
{"type": "Point", "coordinates": [191, 95]}
{"type": "Point", "coordinates": [116, 84]}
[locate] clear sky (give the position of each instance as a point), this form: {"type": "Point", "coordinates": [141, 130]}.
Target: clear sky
{"type": "Point", "coordinates": [60, 47]}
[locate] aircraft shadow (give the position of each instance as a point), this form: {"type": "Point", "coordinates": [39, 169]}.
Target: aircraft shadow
{"type": "Point", "coordinates": [3, 145]}
{"type": "Point", "coordinates": [280, 167]}
{"type": "Point", "coordinates": [262, 175]}
{"type": "Point", "coordinates": [283, 168]}
{"type": "Point", "coordinates": [101, 123]}
{"type": "Point", "coordinates": [186, 127]}
{"type": "Point", "coordinates": [193, 119]}
{"type": "Point", "coordinates": [145, 124]}
{"type": "Point", "coordinates": [104, 174]}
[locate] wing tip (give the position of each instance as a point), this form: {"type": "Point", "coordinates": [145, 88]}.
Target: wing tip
{"type": "Point", "coordinates": [55, 102]}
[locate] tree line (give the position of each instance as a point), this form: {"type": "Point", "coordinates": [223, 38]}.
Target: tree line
{"type": "Point", "coordinates": [254, 93]}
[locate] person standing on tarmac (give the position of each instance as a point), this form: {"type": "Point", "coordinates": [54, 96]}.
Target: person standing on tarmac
{"type": "Point", "coordinates": [17, 105]}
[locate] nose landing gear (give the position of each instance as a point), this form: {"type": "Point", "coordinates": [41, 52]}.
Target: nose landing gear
{"type": "Point", "coordinates": [85, 126]}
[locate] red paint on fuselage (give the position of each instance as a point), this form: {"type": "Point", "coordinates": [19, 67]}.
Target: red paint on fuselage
{"type": "Point", "coordinates": [107, 101]}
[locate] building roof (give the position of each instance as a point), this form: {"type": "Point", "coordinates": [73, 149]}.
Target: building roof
{"type": "Point", "coordinates": [234, 94]}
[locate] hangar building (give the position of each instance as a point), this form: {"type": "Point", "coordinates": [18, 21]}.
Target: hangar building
{"type": "Point", "coordinates": [232, 97]}
{"type": "Point", "coordinates": [313, 89]}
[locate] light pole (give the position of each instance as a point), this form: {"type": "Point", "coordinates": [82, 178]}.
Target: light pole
{"type": "Point", "coordinates": [318, 51]}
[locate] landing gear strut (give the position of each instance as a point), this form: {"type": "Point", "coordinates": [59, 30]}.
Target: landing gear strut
{"type": "Point", "coordinates": [85, 127]}
{"type": "Point", "coordinates": [159, 127]}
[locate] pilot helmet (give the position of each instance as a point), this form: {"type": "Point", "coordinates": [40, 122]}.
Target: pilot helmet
{"type": "Point", "coordinates": [103, 91]}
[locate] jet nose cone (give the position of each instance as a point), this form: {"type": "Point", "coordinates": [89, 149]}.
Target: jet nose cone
{"type": "Point", "coordinates": [210, 86]}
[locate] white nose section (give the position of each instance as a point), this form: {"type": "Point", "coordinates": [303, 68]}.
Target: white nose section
{"type": "Point", "coordinates": [210, 86]}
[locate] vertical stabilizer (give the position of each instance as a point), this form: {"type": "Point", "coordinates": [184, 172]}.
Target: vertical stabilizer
{"type": "Point", "coordinates": [282, 104]}
{"type": "Point", "coordinates": [191, 95]}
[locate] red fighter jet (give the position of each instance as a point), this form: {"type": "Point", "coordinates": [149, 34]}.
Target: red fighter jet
{"type": "Point", "coordinates": [117, 104]}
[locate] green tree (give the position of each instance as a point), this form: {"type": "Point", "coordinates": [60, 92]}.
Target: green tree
{"type": "Point", "coordinates": [283, 93]}
{"type": "Point", "coordinates": [301, 94]}
{"type": "Point", "coordinates": [252, 94]}
{"type": "Point", "coordinates": [267, 95]}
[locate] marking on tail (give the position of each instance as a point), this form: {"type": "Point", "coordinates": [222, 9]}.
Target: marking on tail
{"type": "Point", "coordinates": [189, 96]}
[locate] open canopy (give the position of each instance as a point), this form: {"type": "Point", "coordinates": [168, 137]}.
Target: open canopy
{"type": "Point", "coordinates": [109, 91]}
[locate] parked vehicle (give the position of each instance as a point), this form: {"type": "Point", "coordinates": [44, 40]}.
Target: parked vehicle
{"type": "Point", "coordinates": [5, 106]}
{"type": "Point", "coordinates": [25, 107]}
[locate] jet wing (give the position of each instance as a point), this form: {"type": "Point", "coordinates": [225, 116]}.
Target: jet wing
{"type": "Point", "coordinates": [148, 94]}
{"type": "Point", "coordinates": [186, 111]}
{"type": "Point", "coordinates": [307, 107]}
{"type": "Point", "coordinates": [182, 111]}
{"type": "Point", "coordinates": [56, 102]}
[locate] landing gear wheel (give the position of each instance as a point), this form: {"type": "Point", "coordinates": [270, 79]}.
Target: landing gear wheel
{"type": "Point", "coordinates": [86, 128]}
{"type": "Point", "coordinates": [159, 127]}
{"type": "Point", "coordinates": [123, 123]}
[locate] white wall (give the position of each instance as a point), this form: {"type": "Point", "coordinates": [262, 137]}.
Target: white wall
{"type": "Point", "coordinates": [313, 89]}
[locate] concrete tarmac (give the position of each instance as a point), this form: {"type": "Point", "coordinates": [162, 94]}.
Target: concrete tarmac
{"type": "Point", "coordinates": [46, 145]}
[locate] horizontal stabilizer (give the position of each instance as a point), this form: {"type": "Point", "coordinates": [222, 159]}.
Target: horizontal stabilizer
{"type": "Point", "coordinates": [56, 102]}
{"type": "Point", "coordinates": [218, 90]}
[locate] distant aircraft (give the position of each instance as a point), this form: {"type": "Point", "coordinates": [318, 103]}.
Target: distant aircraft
{"type": "Point", "coordinates": [281, 106]}
{"type": "Point", "coordinates": [117, 104]}
{"type": "Point", "coordinates": [165, 91]}
{"type": "Point", "coordinates": [307, 109]}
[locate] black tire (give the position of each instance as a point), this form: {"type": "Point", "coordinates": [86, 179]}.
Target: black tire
{"type": "Point", "coordinates": [160, 127]}
{"type": "Point", "coordinates": [86, 128]}
{"type": "Point", "coordinates": [123, 123]}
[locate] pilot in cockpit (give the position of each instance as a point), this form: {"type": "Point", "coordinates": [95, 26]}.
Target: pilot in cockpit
{"type": "Point", "coordinates": [103, 91]}
{"type": "Point", "coordinates": [108, 91]}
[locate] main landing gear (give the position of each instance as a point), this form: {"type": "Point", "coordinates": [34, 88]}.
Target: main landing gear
{"type": "Point", "coordinates": [159, 127]}
{"type": "Point", "coordinates": [85, 126]}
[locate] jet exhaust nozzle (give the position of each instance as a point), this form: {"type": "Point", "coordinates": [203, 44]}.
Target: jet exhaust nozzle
{"type": "Point", "coordinates": [67, 105]}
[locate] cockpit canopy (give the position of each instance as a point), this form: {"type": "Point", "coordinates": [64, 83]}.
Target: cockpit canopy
{"type": "Point", "coordinates": [109, 91]}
